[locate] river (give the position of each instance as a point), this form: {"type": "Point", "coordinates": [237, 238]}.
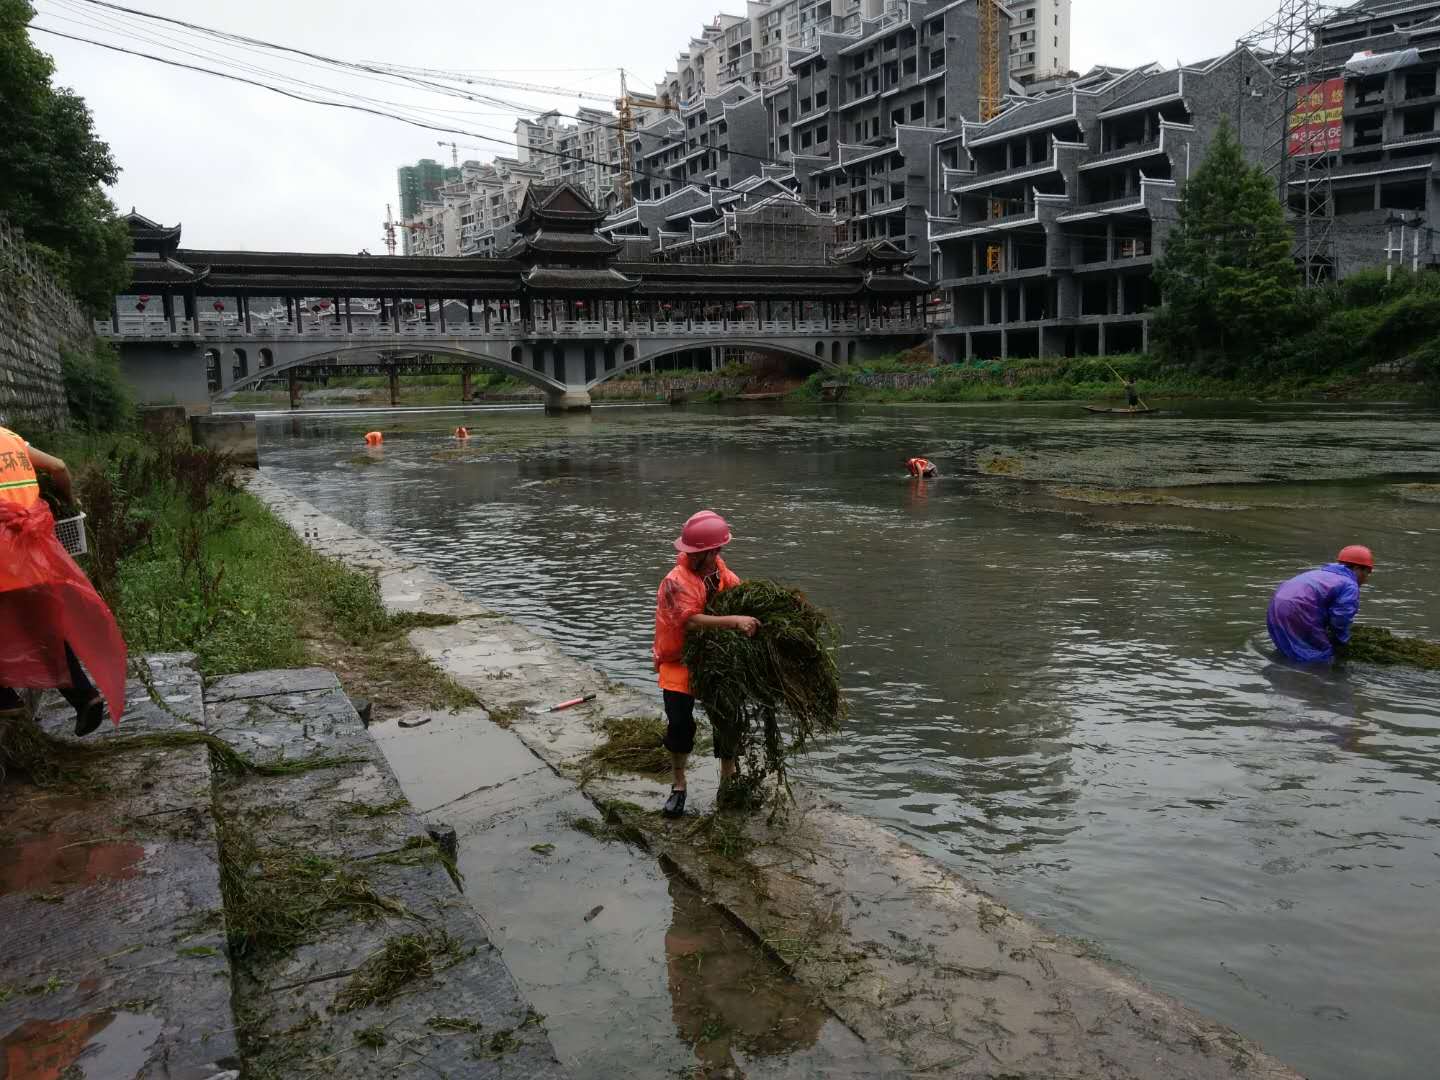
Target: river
{"type": "Point", "coordinates": [1056, 656]}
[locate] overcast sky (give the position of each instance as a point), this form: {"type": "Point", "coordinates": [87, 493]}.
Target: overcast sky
{"type": "Point", "coordinates": [242, 167]}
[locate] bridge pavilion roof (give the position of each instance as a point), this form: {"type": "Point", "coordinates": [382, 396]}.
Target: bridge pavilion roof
{"type": "Point", "coordinates": [872, 271]}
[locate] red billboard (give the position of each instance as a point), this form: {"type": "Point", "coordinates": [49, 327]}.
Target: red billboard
{"type": "Point", "coordinates": [1315, 118]}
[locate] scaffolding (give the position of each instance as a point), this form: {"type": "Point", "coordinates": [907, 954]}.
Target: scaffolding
{"type": "Point", "coordinates": [775, 232]}
{"type": "Point", "coordinates": [1287, 43]}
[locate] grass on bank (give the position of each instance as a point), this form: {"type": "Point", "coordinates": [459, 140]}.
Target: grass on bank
{"type": "Point", "coordinates": [190, 562]}
{"type": "Point", "coordinates": [1090, 378]}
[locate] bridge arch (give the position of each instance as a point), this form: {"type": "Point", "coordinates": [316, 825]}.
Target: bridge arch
{"type": "Point", "coordinates": [631, 358]}
{"type": "Point", "coordinates": [514, 365]}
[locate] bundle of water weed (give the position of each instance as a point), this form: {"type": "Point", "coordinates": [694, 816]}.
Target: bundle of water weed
{"type": "Point", "coordinates": [632, 744]}
{"type": "Point", "coordinates": [402, 960]}
{"type": "Point", "coordinates": [782, 683]}
{"type": "Point", "coordinates": [1372, 645]}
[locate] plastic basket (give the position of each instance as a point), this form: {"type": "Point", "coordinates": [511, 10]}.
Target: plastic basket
{"type": "Point", "coordinates": [71, 534]}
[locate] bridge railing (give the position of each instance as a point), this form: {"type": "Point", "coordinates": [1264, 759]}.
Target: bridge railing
{"type": "Point", "coordinates": [158, 328]}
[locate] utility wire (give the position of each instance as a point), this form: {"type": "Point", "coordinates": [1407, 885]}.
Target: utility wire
{"type": "Point", "coordinates": [354, 107]}
{"type": "Point", "coordinates": [395, 72]}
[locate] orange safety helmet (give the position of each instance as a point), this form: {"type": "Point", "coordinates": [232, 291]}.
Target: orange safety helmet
{"type": "Point", "coordinates": [705, 531]}
{"type": "Point", "coordinates": [1357, 555]}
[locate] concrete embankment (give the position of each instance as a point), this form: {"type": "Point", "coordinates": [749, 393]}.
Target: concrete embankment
{"type": "Point", "coordinates": [232, 884]}
{"type": "Point", "coordinates": [934, 975]}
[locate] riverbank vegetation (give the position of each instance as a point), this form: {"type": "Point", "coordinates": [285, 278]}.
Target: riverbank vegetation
{"type": "Point", "coordinates": [189, 561]}
{"type": "Point", "coordinates": [1235, 306]}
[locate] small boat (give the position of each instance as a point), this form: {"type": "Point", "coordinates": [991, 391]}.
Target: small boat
{"type": "Point", "coordinates": [1120, 412]}
{"type": "Point", "coordinates": [776, 395]}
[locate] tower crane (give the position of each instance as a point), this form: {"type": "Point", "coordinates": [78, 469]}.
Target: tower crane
{"type": "Point", "coordinates": [390, 225]}
{"type": "Point", "coordinates": [990, 46]}
{"type": "Point", "coordinates": [624, 109]}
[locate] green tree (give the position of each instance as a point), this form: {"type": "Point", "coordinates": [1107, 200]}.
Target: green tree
{"type": "Point", "coordinates": [1227, 279]}
{"type": "Point", "coordinates": [53, 170]}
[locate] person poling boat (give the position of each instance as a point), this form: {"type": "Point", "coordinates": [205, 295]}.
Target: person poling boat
{"type": "Point", "coordinates": [1312, 613]}
{"type": "Point", "coordinates": [680, 602]}
{"type": "Point", "coordinates": [921, 469]}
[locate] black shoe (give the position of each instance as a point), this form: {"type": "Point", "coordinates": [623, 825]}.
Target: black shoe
{"type": "Point", "coordinates": [90, 717]}
{"type": "Point", "coordinates": [675, 805]}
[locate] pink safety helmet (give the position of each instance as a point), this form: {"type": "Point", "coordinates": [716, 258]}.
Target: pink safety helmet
{"type": "Point", "coordinates": [705, 531]}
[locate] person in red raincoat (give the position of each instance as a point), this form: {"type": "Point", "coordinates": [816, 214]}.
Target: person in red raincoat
{"type": "Point", "coordinates": [699, 573]}
{"type": "Point", "coordinates": [53, 624]}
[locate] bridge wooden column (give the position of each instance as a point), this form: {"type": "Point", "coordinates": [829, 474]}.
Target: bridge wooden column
{"type": "Point", "coordinates": [394, 386]}
{"type": "Point", "coordinates": [467, 377]}
{"type": "Point", "coordinates": [293, 379]}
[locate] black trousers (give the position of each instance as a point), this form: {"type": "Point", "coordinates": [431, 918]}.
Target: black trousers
{"type": "Point", "coordinates": [79, 694]}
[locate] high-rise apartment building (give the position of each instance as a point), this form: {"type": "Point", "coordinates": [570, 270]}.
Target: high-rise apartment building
{"type": "Point", "coordinates": [850, 128]}
{"type": "Point", "coordinates": [1039, 40]}
{"type": "Point", "coordinates": [420, 182]}
{"type": "Point", "coordinates": [756, 49]}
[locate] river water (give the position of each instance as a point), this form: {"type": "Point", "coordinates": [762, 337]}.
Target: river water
{"type": "Point", "coordinates": [1056, 655]}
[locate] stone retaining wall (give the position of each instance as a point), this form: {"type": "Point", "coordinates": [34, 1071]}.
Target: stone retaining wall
{"type": "Point", "coordinates": [38, 320]}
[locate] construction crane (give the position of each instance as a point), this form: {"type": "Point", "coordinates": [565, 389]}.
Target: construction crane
{"type": "Point", "coordinates": [390, 225]}
{"type": "Point", "coordinates": [454, 152]}
{"type": "Point", "coordinates": [625, 105]}
{"type": "Point", "coordinates": [990, 52]}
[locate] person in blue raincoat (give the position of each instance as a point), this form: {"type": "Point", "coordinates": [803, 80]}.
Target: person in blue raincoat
{"type": "Point", "coordinates": [1311, 614]}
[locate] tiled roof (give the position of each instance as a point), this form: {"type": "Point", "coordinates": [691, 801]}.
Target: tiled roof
{"type": "Point", "coordinates": [1162, 84]}
{"type": "Point", "coordinates": [1022, 116]}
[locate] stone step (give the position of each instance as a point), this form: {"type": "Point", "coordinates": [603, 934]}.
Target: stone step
{"type": "Point", "coordinates": [114, 961]}
{"type": "Point", "coordinates": [344, 831]}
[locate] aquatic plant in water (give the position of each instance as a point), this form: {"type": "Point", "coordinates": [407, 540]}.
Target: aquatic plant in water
{"type": "Point", "coordinates": [782, 685]}
{"type": "Point", "coordinates": [1372, 645]}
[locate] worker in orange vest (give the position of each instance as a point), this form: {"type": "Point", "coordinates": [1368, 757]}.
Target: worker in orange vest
{"type": "Point", "coordinates": [921, 469]}
{"type": "Point", "coordinates": [51, 618]}
{"type": "Point", "coordinates": [374, 438]}
{"type": "Point", "coordinates": [699, 573]}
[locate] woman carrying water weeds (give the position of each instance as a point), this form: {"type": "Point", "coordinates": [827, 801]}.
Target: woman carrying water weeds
{"type": "Point", "coordinates": [699, 574]}
{"type": "Point", "coordinates": [51, 618]}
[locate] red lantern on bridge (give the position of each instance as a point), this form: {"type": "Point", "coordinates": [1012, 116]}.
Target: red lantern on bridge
{"type": "Point", "coordinates": [579, 303]}
{"type": "Point", "coordinates": [219, 305]}
{"type": "Point", "coordinates": [144, 297]}
{"type": "Point", "coordinates": [324, 305]}
{"type": "Point", "coordinates": [140, 304]}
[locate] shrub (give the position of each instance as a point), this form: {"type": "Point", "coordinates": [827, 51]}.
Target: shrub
{"type": "Point", "coordinates": [95, 392]}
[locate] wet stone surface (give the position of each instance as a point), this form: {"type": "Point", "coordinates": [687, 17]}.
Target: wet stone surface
{"type": "Point", "coordinates": [635, 972]}
{"type": "Point", "coordinates": [114, 963]}
{"type": "Point", "coordinates": [455, 1013]}
{"type": "Point", "coordinates": [929, 970]}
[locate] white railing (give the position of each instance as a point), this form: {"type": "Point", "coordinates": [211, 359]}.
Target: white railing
{"type": "Point", "coordinates": [159, 329]}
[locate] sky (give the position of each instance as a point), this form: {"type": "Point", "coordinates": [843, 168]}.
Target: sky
{"type": "Point", "coordinates": [241, 167]}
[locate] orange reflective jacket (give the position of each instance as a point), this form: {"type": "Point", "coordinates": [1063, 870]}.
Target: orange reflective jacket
{"type": "Point", "coordinates": [918, 466]}
{"type": "Point", "coordinates": [682, 594]}
{"type": "Point", "coordinates": [18, 483]}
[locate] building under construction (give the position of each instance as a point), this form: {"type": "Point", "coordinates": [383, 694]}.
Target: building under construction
{"type": "Point", "coordinates": [1360, 154]}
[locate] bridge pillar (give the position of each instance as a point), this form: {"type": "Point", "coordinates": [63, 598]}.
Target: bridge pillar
{"type": "Point", "coordinates": [467, 377]}
{"type": "Point", "coordinates": [559, 401]}
{"type": "Point", "coordinates": [294, 380]}
{"type": "Point", "coordinates": [394, 387]}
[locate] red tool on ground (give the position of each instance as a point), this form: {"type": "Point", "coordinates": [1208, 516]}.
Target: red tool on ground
{"type": "Point", "coordinates": [571, 703]}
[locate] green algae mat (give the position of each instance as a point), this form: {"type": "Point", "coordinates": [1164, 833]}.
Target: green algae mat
{"type": "Point", "coordinates": [1372, 645]}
